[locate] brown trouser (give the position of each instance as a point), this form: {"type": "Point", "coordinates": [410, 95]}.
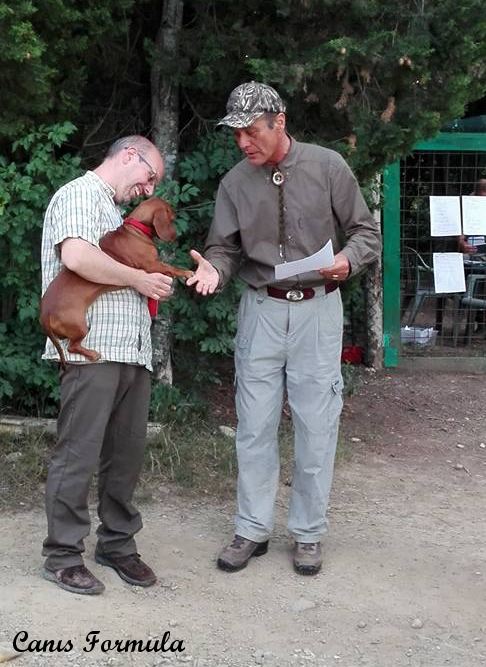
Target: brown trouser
{"type": "Point", "coordinates": [102, 424]}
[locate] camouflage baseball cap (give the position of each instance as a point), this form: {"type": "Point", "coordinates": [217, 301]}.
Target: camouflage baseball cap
{"type": "Point", "coordinates": [248, 102]}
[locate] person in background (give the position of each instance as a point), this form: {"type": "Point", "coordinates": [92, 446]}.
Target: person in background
{"type": "Point", "coordinates": [283, 202]}
{"type": "Point", "coordinates": [474, 249]}
{"type": "Point", "coordinates": [104, 406]}
{"type": "Point", "coordinates": [469, 244]}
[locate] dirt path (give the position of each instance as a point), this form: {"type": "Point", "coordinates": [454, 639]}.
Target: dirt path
{"type": "Point", "coordinates": [403, 583]}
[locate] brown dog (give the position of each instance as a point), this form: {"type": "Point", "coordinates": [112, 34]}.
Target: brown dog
{"type": "Point", "coordinates": [65, 302]}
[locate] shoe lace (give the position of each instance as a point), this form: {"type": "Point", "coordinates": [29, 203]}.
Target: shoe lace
{"type": "Point", "coordinates": [238, 542]}
{"type": "Point", "coordinates": [310, 547]}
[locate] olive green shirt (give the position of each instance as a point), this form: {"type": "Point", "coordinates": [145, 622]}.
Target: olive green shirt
{"type": "Point", "coordinates": [322, 201]}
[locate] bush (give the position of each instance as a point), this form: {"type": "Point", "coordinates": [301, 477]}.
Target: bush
{"type": "Point", "coordinates": [39, 166]}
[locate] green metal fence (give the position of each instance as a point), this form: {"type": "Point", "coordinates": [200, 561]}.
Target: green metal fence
{"type": "Point", "coordinates": [450, 164]}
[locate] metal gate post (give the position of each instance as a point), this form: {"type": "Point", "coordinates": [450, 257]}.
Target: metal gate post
{"type": "Point", "coordinates": [391, 265]}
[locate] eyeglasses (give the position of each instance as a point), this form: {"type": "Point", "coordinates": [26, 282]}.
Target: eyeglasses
{"type": "Point", "coordinates": [152, 172]}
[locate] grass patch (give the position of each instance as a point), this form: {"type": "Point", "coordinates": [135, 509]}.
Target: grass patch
{"type": "Point", "coordinates": [23, 467]}
{"type": "Point", "coordinates": [191, 453]}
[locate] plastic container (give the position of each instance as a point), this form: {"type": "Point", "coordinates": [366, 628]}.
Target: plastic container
{"type": "Point", "coordinates": [423, 336]}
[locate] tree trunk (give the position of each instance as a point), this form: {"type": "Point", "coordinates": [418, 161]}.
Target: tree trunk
{"type": "Point", "coordinates": [165, 85]}
{"type": "Point", "coordinates": [374, 316]}
{"type": "Point", "coordinates": [165, 126]}
{"type": "Point", "coordinates": [374, 312]}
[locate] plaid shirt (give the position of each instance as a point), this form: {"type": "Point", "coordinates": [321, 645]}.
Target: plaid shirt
{"type": "Point", "coordinates": [119, 322]}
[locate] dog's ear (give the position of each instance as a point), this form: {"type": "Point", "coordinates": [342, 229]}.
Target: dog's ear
{"type": "Point", "coordinates": [164, 222]}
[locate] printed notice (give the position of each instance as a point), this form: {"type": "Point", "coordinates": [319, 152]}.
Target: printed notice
{"type": "Point", "coordinates": [474, 216]}
{"type": "Point", "coordinates": [448, 272]}
{"type": "Point", "coordinates": [445, 216]}
{"type": "Point", "coordinates": [319, 260]}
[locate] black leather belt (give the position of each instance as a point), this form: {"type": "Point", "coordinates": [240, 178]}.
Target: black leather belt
{"type": "Point", "coordinates": [295, 294]}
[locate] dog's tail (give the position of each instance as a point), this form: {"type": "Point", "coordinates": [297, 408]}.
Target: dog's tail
{"type": "Point", "coordinates": [60, 351]}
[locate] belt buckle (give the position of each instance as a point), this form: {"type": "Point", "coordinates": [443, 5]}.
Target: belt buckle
{"type": "Point", "coordinates": [294, 295]}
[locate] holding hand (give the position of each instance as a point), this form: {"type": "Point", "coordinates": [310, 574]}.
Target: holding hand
{"type": "Point", "coordinates": [466, 247]}
{"type": "Point", "coordinates": [206, 278]}
{"type": "Point", "coordinates": [339, 270]}
{"type": "Point", "coordinates": [153, 285]}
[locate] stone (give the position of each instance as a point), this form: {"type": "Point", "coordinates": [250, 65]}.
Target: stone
{"type": "Point", "coordinates": [228, 431]}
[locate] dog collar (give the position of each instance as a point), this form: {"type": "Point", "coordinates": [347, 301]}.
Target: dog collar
{"type": "Point", "coordinates": [141, 226]}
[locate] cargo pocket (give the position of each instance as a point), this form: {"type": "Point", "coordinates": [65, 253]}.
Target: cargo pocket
{"type": "Point", "coordinates": [336, 404]}
{"type": "Point", "coordinates": [242, 351]}
{"type": "Point", "coordinates": [338, 386]}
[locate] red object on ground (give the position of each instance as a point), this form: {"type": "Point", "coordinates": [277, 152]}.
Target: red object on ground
{"type": "Point", "coordinates": [352, 354]}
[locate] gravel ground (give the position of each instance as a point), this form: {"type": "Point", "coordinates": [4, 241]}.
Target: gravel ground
{"type": "Point", "coordinates": [404, 569]}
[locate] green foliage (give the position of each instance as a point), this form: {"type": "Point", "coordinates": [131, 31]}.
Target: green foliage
{"type": "Point", "coordinates": [26, 185]}
{"type": "Point", "coordinates": [51, 49]}
{"type": "Point", "coordinates": [208, 324]}
{"type": "Point", "coordinates": [354, 308]}
{"type": "Point", "coordinates": [169, 404]}
{"type": "Point", "coordinates": [367, 78]}
{"type": "Point", "coordinates": [23, 467]}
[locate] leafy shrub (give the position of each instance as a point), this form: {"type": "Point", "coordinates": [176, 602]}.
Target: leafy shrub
{"type": "Point", "coordinates": [39, 166]}
{"type": "Point", "coordinates": [207, 324]}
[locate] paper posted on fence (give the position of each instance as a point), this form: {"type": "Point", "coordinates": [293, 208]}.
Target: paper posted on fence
{"type": "Point", "coordinates": [449, 272]}
{"type": "Point", "coordinates": [321, 259]}
{"type": "Point", "coordinates": [474, 215]}
{"type": "Point", "coordinates": [445, 216]}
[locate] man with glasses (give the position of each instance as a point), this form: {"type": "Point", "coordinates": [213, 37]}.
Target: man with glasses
{"type": "Point", "coordinates": [104, 406]}
{"type": "Point", "coordinates": [281, 203]}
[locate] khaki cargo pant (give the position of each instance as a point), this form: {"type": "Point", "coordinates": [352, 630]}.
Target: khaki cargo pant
{"type": "Point", "coordinates": [296, 346]}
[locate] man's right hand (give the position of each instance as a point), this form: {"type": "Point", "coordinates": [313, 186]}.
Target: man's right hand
{"type": "Point", "coordinates": [93, 264]}
{"type": "Point", "coordinates": [153, 285]}
{"type": "Point", "coordinates": [206, 278]}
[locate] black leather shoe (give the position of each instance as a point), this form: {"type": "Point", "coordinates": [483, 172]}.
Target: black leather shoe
{"type": "Point", "coordinates": [75, 579]}
{"type": "Point", "coordinates": [131, 568]}
{"type": "Point", "coordinates": [236, 555]}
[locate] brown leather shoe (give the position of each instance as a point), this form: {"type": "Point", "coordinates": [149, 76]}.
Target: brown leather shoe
{"type": "Point", "coordinates": [75, 579]}
{"type": "Point", "coordinates": [307, 557]}
{"type": "Point", "coordinates": [131, 568]}
{"type": "Point", "coordinates": [236, 555]}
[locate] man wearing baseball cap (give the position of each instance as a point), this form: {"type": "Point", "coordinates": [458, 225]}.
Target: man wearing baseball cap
{"type": "Point", "coordinates": [281, 203]}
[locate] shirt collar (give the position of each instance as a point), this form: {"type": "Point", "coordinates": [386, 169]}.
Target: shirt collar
{"type": "Point", "coordinates": [291, 157]}
{"type": "Point", "coordinates": [289, 160]}
{"type": "Point", "coordinates": [110, 191]}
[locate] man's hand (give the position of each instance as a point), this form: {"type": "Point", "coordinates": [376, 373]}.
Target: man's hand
{"type": "Point", "coordinates": [153, 285]}
{"type": "Point", "coordinates": [466, 247]}
{"type": "Point", "coordinates": [206, 278]}
{"type": "Point", "coordinates": [93, 264]}
{"type": "Point", "coordinates": [339, 270]}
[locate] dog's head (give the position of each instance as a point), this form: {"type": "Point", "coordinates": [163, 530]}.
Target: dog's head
{"type": "Point", "coordinates": [157, 213]}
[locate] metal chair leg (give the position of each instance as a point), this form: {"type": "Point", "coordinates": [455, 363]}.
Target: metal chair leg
{"type": "Point", "coordinates": [416, 305]}
{"type": "Point", "coordinates": [458, 313]}
{"type": "Point", "coordinates": [469, 326]}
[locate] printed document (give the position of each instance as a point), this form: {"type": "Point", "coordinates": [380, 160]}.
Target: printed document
{"type": "Point", "coordinates": [445, 216]}
{"type": "Point", "coordinates": [449, 272]}
{"type": "Point", "coordinates": [321, 259]}
{"type": "Point", "coordinates": [474, 216]}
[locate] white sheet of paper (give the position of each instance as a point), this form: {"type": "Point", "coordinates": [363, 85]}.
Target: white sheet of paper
{"type": "Point", "coordinates": [445, 216]}
{"type": "Point", "coordinates": [449, 272]}
{"type": "Point", "coordinates": [319, 260]}
{"type": "Point", "coordinates": [474, 215]}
